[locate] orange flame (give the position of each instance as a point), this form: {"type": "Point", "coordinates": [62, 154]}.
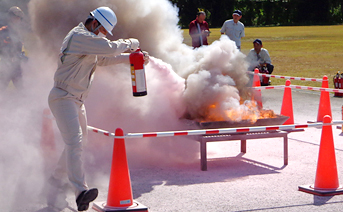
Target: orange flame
{"type": "Point", "coordinates": [246, 111]}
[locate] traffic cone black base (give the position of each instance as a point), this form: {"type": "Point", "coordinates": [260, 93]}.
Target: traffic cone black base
{"type": "Point", "coordinates": [136, 206]}
{"type": "Point", "coordinates": [326, 181]}
{"type": "Point", "coordinates": [320, 192]}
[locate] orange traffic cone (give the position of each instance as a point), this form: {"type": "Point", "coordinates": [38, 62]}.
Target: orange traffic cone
{"type": "Point", "coordinates": [324, 103]}
{"type": "Point", "coordinates": [257, 96]}
{"type": "Point", "coordinates": [119, 192]}
{"type": "Point", "coordinates": [326, 182]}
{"type": "Point", "coordinates": [47, 142]}
{"type": "Point", "coordinates": [256, 81]}
{"type": "Point", "coordinates": [287, 104]}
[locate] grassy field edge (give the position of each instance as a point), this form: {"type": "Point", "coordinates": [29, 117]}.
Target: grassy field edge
{"type": "Point", "coordinates": [300, 51]}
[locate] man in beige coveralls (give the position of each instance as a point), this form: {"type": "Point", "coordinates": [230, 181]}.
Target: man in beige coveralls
{"type": "Point", "coordinates": [82, 50]}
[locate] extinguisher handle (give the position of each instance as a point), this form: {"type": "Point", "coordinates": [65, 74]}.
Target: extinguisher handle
{"type": "Point", "coordinates": [146, 57]}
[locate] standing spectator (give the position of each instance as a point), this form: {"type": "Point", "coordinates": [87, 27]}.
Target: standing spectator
{"type": "Point", "coordinates": [11, 49]}
{"type": "Point", "coordinates": [234, 28]}
{"type": "Point", "coordinates": [198, 30]}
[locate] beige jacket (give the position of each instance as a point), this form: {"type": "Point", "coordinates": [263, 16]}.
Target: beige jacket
{"type": "Point", "coordinates": [81, 52]}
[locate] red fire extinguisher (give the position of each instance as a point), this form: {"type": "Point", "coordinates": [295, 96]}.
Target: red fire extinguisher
{"type": "Point", "coordinates": [338, 83]}
{"type": "Point", "coordinates": [264, 79]}
{"type": "Point", "coordinates": [138, 73]}
{"type": "Point", "coordinates": [336, 80]}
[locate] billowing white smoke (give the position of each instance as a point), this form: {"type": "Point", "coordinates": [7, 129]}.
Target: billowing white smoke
{"type": "Point", "coordinates": [218, 74]}
{"type": "Point", "coordinates": [208, 74]}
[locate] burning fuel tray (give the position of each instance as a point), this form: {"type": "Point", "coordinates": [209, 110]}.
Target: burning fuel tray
{"type": "Point", "coordinates": [278, 120]}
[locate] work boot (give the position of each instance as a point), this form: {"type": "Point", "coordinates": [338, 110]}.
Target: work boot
{"type": "Point", "coordinates": [86, 196]}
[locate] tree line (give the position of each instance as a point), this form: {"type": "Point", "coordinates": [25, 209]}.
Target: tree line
{"type": "Point", "coordinates": [263, 12]}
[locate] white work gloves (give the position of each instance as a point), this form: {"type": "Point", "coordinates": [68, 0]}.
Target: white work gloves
{"type": "Point", "coordinates": [146, 57]}
{"type": "Point", "coordinates": [134, 44]}
{"type": "Point", "coordinates": [206, 33]}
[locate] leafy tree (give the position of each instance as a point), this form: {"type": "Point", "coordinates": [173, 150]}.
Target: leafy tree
{"type": "Point", "coordinates": [263, 12]}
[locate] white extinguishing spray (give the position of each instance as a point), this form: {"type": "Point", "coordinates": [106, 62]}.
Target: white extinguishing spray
{"type": "Point", "coordinates": [138, 73]}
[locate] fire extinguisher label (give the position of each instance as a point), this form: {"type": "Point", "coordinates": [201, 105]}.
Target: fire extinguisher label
{"type": "Point", "coordinates": [140, 80]}
{"type": "Point", "coordinates": [133, 78]}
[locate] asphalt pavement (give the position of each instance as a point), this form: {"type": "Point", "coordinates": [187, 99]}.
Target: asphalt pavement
{"type": "Point", "coordinates": [255, 181]}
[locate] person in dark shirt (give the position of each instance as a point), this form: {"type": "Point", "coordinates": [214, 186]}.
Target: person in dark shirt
{"type": "Point", "coordinates": [198, 30]}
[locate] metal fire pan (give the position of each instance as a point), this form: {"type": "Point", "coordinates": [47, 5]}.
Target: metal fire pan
{"type": "Point", "coordinates": [278, 120]}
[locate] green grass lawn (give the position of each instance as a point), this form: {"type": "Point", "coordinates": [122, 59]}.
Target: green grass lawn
{"type": "Point", "coordinates": [301, 51]}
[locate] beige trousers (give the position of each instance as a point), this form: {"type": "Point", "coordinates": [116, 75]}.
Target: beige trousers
{"type": "Point", "coordinates": [70, 115]}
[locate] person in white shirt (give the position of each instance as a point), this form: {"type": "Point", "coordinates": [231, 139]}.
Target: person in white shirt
{"type": "Point", "coordinates": [258, 57]}
{"type": "Point", "coordinates": [233, 28]}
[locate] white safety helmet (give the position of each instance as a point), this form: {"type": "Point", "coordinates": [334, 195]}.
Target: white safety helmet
{"type": "Point", "coordinates": [106, 17]}
{"type": "Point", "coordinates": [16, 11]}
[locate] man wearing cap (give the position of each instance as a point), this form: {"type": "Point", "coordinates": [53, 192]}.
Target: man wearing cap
{"type": "Point", "coordinates": [84, 47]}
{"type": "Point", "coordinates": [11, 49]}
{"type": "Point", "coordinates": [199, 31]}
{"type": "Point", "coordinates": [233, 28]}
{"type": "Point", "coordinates": [258, 57]}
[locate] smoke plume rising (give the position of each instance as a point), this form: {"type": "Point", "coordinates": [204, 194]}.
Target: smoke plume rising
{"type": "Point", "coordinates": [180, 81]}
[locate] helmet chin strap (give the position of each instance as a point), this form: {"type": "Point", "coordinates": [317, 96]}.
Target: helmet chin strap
{"type": "Point", "coordinates": [94, 30]}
